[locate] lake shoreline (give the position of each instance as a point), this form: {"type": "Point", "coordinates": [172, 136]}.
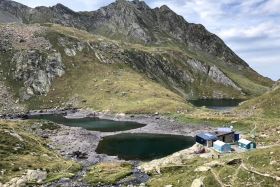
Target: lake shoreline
{"type": "Point", "coordinates": [70, 140]}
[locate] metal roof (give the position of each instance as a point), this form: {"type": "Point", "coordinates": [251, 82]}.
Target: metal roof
{"type": "Point", "coordinates": [244, 141]}
{"type": "Point", "coordinates": [219, 143]}
{"type": "Point", "coordinates": [207, 136]}
{"type": "Point", "coordinates": [225, 129]}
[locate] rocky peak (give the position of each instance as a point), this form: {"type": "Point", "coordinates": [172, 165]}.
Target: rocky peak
{"type": "Point", "coordinates": [165, 8]}
{"type": "Point", "coordinates": [61, 7]}
{"type": "Point", "coordinates": [141, 5]}
{"type": "Point", "coordinates": [14, 9]}
{"type": "Point", "coordinates": [135, 22]}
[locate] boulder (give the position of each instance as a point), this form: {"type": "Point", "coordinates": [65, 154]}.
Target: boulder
{"type": "Point", "coordinates": [36, 175]}
{"type": "Point", "coordinates": [198, 183]}
{"type": "Point", "coordinates": [202, 169]}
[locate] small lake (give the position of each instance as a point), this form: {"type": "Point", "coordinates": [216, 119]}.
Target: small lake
{"type": "Point", "coordinates": [93, 124]}
{"type": "Point", "coordinates": [217, 104]}
{"type": "Point", "coordinates": [130, 146]}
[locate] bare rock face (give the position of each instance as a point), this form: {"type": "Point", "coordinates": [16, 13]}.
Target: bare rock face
{"type": "Point", "coordinates": [133, 34]}
{"type": "Point", "coordinates": [219, 77]}
{"type": "Point", "coordinates": [133, 21]}
{"type": "Point", "coordinates": [71, 47]}
{"type": "Point", "coordinates": [37, 71]}
{"type": "Point", "coordinates": [33, 61]}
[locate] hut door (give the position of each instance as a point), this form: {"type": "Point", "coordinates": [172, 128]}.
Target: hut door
{"type": "Point", "coordinates": [251, 145]}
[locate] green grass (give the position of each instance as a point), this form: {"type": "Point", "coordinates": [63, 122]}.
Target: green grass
{"type": "Point", "coordinates": [110, 87]}
{"type": "Point", "coordinates": [88, 83]}
{"type": "Point", "coordinates": [21, 150]}
{"type": "Point", "coordinates": [107, 173]}
{"type": "Point", "coordinates": [251, 87]}
{"type": "Point", "coordinates": [231, 175]}
{"type": "Point", "coordinates": [266, 105]}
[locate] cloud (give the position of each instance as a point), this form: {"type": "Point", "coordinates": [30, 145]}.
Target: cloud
{"type": "Point", "coordinates": [266, 29]}
{"type": "Point", "coordinates": [250, 27]}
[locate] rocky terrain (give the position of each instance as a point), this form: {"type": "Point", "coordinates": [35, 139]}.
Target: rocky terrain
{"type": "Point", "coordinates": [133, 21]}
{"type": "Point", "coordinates": [126, 61]}
{"type": "Point", "coordinates": [156, 44]}
{"type": "Point", "coordinates": [47, 62]}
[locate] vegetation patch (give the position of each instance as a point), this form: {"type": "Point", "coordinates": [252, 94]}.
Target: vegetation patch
{"type": "Point", "coordinates": [48, 125]}
{"type": "Point", "coordinates": [21, 150]}
{"type": "Point", "coordinates": [257, 168]}
{"type": "Point", "coordinates": [108, 173]}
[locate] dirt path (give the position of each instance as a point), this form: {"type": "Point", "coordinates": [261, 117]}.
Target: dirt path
{"type": "Point", "coordinates": [252, 170]}
{"type": "Point", "coordinates": [234, 177]}
{"type": "Point", "coordinates": [217, 178]}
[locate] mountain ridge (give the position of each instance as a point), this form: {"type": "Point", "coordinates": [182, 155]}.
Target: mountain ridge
{"type": "Point", "coordinates": [49, 37]}
{"type": "Point", "coordinates": [152, 18]}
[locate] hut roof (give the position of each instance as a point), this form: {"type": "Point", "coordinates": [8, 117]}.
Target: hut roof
{"type": "Point", "coordinates": [207, 136]}
{"type": "Point", "coordinates": [244, 141]}
{"type": "Point", "coordinates": [225, 129]}
{"type": "Point", "coordinates": [219, 143]}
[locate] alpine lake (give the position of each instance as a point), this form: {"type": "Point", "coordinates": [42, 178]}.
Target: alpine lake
{"type": "Point", "coordinates": [127, 146]}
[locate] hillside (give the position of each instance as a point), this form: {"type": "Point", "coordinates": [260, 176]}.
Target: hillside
{"type": "Point", "coordinates": [26, 157]}
{"type": "Point", "coordinates": [126, 63]}
{"type": "Point", "coordinates": [268, 104]}
{"type": "Point", "coordinates": [129, 39]}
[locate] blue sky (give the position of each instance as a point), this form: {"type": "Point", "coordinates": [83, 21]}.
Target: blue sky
{"type": "Point", "coordinates": [250, 27]}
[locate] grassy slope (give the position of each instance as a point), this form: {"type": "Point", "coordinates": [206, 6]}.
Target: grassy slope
{"type": "Point", "coordinates": [267, 105]}
{"type": "Point", "coordinates": [31, 152]}
{"type": "Point", "coordinates": [233, 175]}
{"type": "Point", "coordinates": [109, 87]}
{"type": "Point", "coordinates": [265, 159]}
{"type": "Point", "coordinates": [118, 88]}
{"type": "Point", "coordinates": [114, 87]}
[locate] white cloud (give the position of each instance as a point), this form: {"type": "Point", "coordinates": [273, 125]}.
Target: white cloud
{"type": "Point", "coordinates": [272, 7]}
{"type": "Point", "coordinates": [267, 29]}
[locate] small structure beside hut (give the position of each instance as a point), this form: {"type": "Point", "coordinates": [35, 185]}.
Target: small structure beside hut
{"type": "Point", "coordinates": [225, 134]}
{"type": "Point", "coordinates": [206, 139]}
{"type": "Point", "coordinates": [246, 144]}
{"type": "Point", "coordinates": [222, 138]}
{"type": "Point", "coordinates": [222, 147]}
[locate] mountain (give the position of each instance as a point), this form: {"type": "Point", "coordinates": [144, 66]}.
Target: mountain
{"type": "Point", "coordinates": [130, 21]}
{"type": "Point", "coordinates": [122, 57]}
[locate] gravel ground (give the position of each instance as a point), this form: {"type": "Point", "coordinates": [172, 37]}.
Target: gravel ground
{"type": "Point", "coordinates": [68, 140]}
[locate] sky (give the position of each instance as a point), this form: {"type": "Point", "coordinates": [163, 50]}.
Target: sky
{"type": "Point", "coordinates": [251, 28]}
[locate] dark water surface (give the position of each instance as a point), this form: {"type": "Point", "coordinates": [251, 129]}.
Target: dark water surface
{"type": "Point", "coordinates": [130, 146]}
{"type": "Point", "coordinates": [217, 104]}
{"type": "Point", "coordinates": [94, 124]}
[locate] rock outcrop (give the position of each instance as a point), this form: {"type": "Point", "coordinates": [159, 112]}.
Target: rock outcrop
{"type": "Point", "coordinates": [175, 159]}
{"type": "Point", "coordinates": [31, 176]}
{"type": "Point", "coordinates": [30, 58]}
{"type": "Point", "coordinates": [156, 43]}
{"type": "Point", "coordinates": [37, 71]}
{"type": "Point", "coordinates": [133, 21]}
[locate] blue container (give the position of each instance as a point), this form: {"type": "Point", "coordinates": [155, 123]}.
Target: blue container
{"type": "Point", "coordinates": [236, 137]}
